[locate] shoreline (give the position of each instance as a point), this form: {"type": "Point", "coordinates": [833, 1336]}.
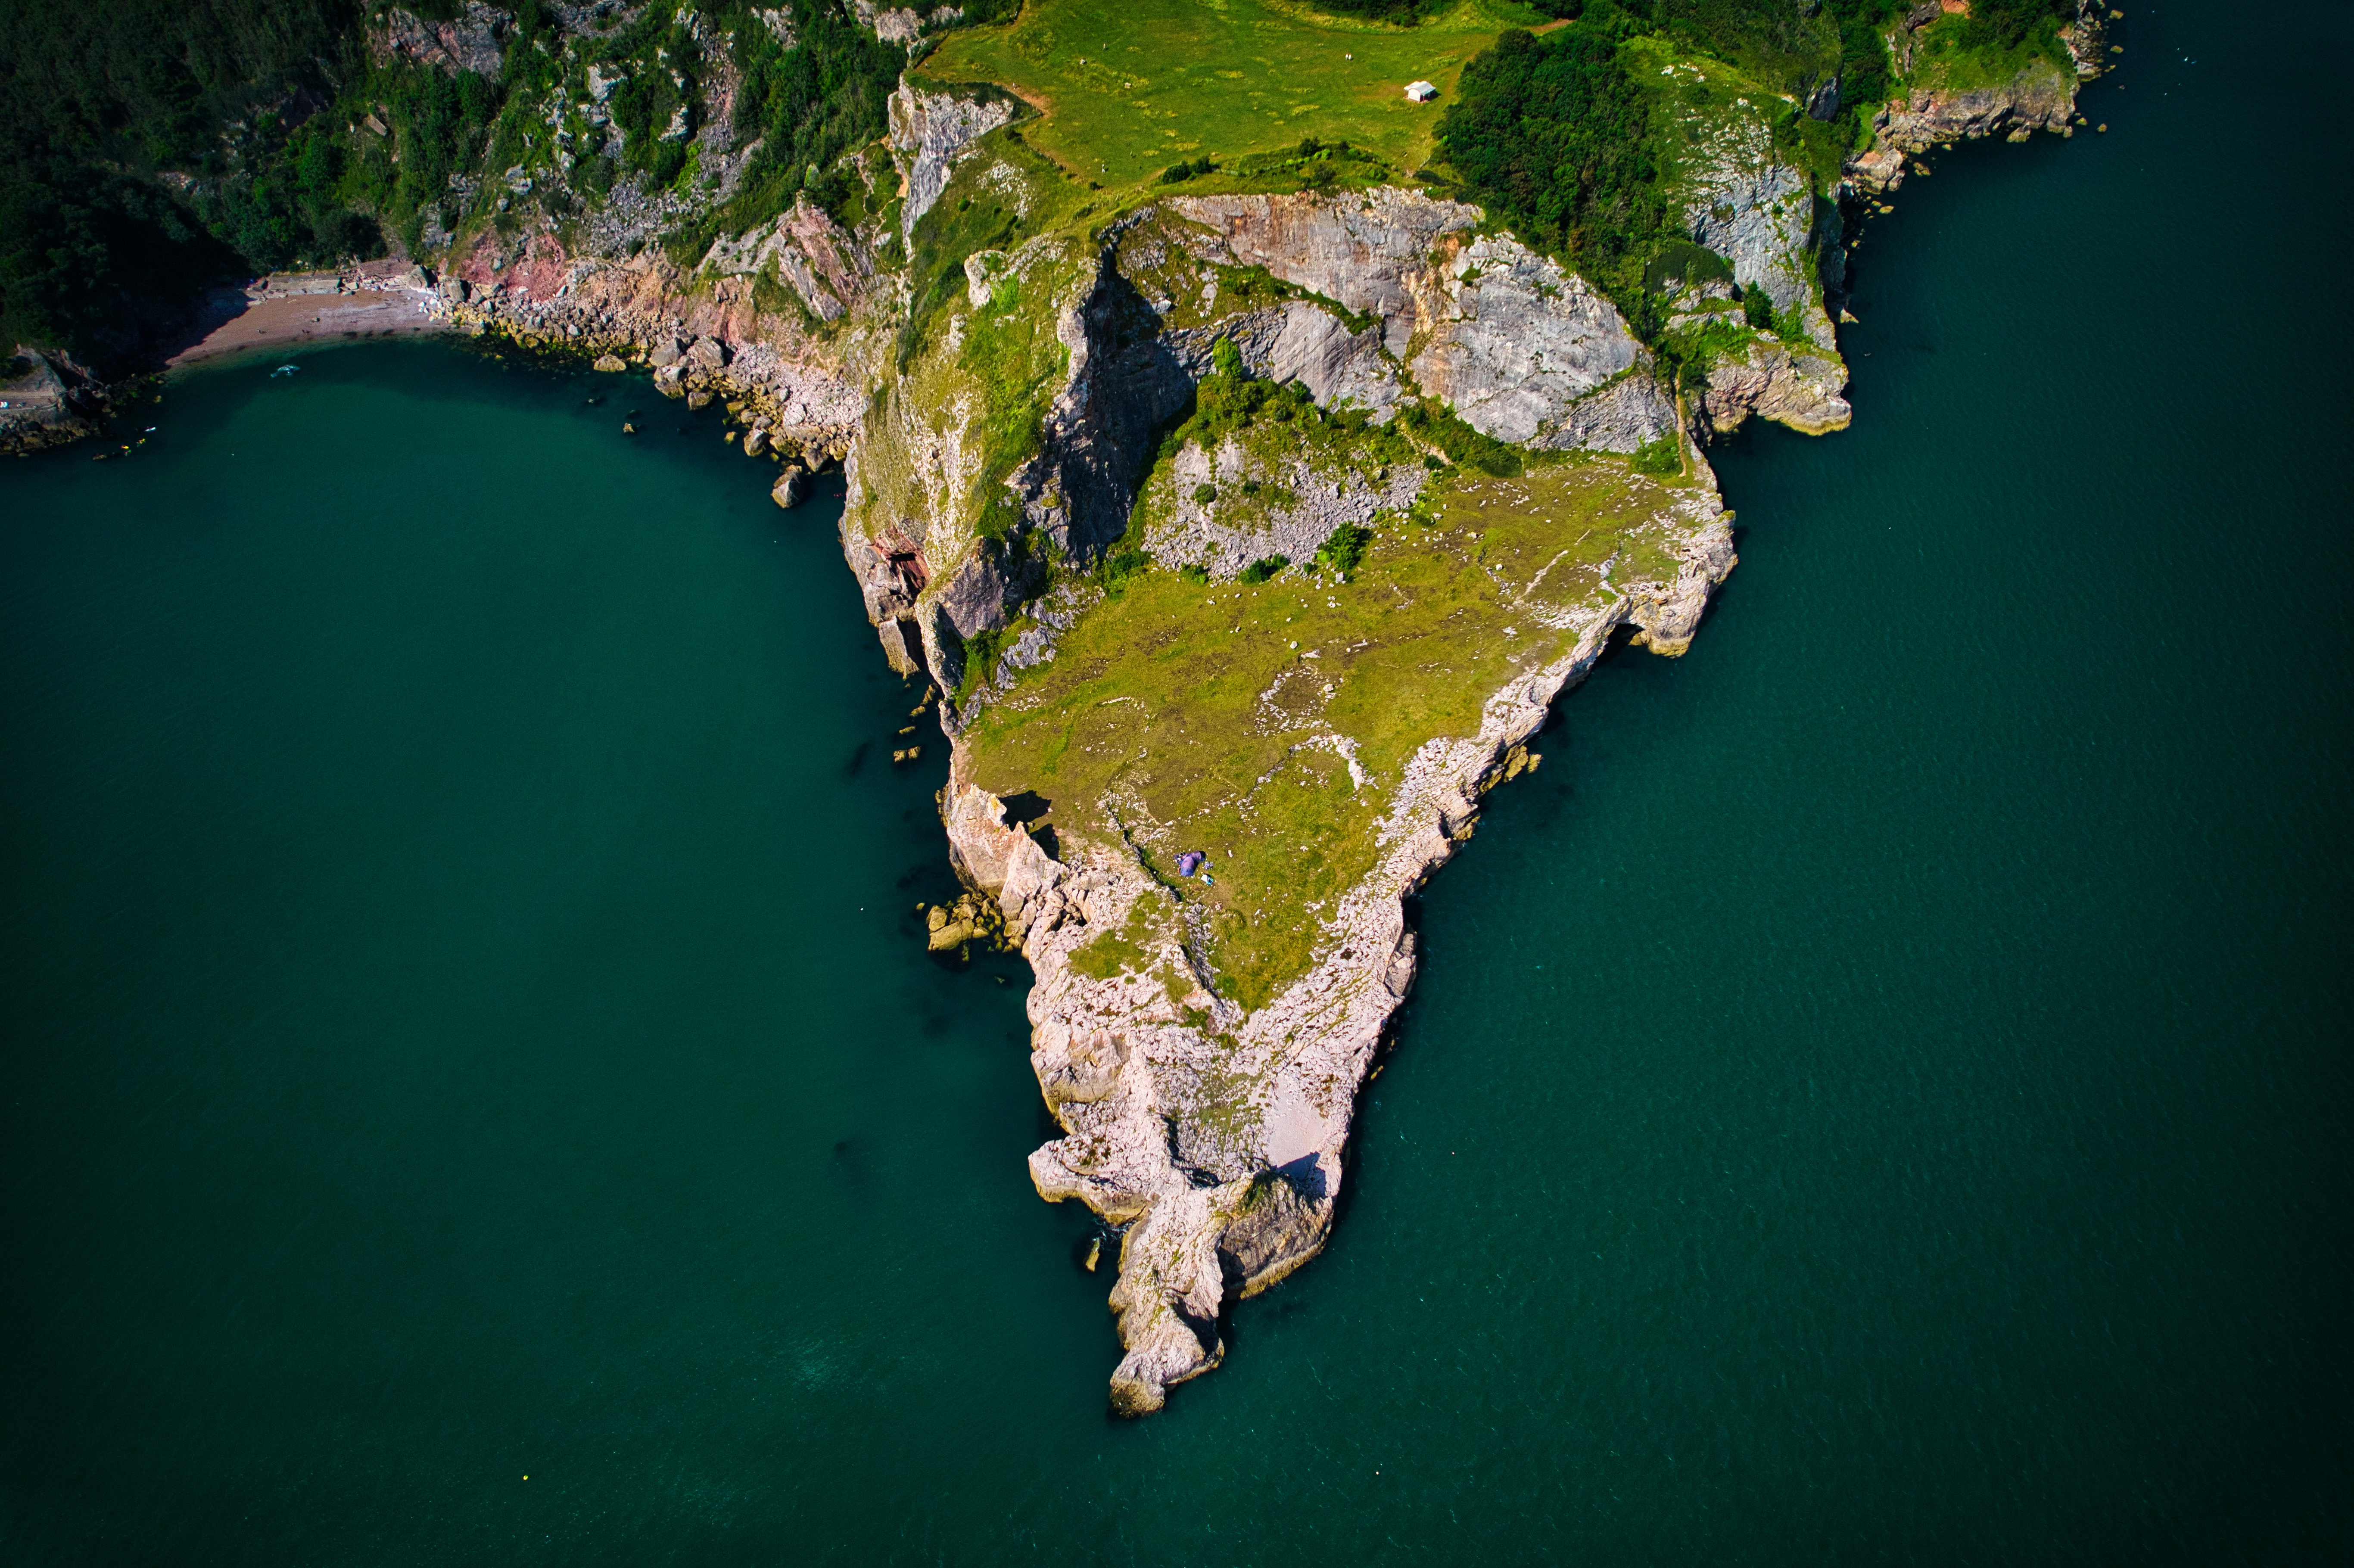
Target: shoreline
{"type": "Point", "coordinates": [290, 311]}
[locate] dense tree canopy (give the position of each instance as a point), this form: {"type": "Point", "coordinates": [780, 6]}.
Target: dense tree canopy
{"type": "Point", "coordinates": [99, 98]}
{"type": "Point", "coordinates": [814, 102]}
{"type": "Point", "coordinates": [1551, 132]}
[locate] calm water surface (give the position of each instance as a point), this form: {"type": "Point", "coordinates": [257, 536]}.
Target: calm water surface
{"type": "Point", "coordinates": [1880, 1094]}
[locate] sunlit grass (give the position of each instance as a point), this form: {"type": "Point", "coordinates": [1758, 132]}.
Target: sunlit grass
{"type": "Point", "coordinates": [1129, 87]}
{"type": "Point", "coordinates": [1226, 718]}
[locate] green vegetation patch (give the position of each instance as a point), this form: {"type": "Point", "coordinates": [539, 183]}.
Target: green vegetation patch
{"type": "Point", "coordinates": [1131, 87]}
{"type": "Point", "coordinates": [1269, 724]}
{"type": "Point", "coordinates": [1110, 953]}
{"type": "Point", "coordinates": [1995, 44]}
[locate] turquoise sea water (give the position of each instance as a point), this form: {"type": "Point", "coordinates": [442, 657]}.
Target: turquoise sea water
{"type": "Point", "coordinates": [1880, 1094]}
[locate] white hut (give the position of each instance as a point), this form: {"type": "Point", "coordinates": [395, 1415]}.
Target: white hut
{"type": "Point", "coordinates": [1421, 91]}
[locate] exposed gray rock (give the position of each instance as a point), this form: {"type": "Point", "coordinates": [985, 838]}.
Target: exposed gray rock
{"type": "Point", "coordinates": [1509, 338]}
{"type": "Point", "coordinates": [779, 22]}
{"type": "Point", "coordinates": [901, 26]}
{"type": "Point", "coordinates": [1339, 367]}
{"type": "Point", "coordinates": [475, 41]}
{"type": "Point", "coordinates": [929, 132]}
{"type": "Point", "coordinates": [1519, 346]}
{"type": "Point", "coordinates": [1359, 248]}
{"type": "Point", "coordinates": [1759, 214]}
{"type": "Point", "coordinates": [1795, 388]}
{"type": "Point", "coordinates": [1228, 533]}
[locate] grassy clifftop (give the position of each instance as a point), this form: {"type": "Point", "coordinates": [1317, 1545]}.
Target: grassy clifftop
{"type": "Point", "coordinates": [1129, 87]}
{"type": "Point", "coordinates": [1268, 725]}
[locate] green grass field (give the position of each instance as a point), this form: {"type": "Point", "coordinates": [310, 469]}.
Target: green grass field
{"type": "Point", "coordinates": [1224, 717]}
{"type": "Point", "coordinates": [1129, 87]}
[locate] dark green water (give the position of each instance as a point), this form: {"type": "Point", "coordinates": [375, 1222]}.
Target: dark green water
{"type": "Point", "coordinates": [1881, 1094]}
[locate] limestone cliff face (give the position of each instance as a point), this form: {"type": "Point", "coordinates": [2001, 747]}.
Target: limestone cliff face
{"type": "Point", "coordinates": [1516, 345]}
{"type": "Point", "coordinates": [1392, 298]}
{"type": "Point", "coordinates": [1774, 381]}
{"type": "Point", "coordinates": [1762, 215]}
{"type": "Point", "coordinates": [931, 133]}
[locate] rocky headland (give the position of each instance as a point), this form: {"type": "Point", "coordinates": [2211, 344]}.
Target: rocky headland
{"type": "Point", "coordinates": [1247, 539]}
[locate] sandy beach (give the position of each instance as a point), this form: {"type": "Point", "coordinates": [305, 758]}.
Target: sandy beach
{"type": "Point", "coordinates": [288, 310]}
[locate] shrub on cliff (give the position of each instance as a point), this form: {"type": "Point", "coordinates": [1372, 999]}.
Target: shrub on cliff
{"type": "Point", "coordinates": [1439, 426]}
{"type": "Point", "coordinates": [1662, 458]}
{"type": "Point", "coordinates": [1344, 550]}
{"type": "Point", "coordinates": [1229, 399]}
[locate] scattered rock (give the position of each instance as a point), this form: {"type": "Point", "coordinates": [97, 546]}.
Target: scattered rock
{"type": "Point", "coordinates": [470, 42]}
{"type": "Point", "coordinates": [609, 364]}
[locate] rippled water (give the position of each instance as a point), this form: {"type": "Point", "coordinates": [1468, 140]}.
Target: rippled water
{"type": "Point", "coordinates": [1879, 1094]}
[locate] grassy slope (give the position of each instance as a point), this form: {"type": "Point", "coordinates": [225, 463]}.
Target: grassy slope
{"type": "Point", "coordinates": [1132, 86]}
{"type": "Point", "coordinates": [1177, 714]}
{"type": "Point", "coordinates": [1188, 716]}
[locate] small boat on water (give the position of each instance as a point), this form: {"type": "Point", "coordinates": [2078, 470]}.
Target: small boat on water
{"type": "Point", "coordinates": [285, 370]}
